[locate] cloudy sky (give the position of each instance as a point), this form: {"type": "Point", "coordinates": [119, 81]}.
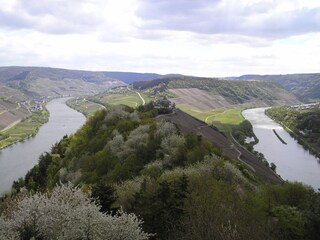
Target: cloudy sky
{"type": "Point", "coordinates": [197, 37]}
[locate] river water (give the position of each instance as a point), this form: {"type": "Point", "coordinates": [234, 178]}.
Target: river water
{"type": "Point", "coordinates": [293, 162]}
{"type": "Point", "coordinates": [17, 159]}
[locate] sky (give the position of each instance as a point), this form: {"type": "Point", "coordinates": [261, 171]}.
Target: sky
{"type": "Point", "coordinates": [211, 38]}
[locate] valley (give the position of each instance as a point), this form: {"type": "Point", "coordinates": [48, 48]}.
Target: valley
{"type": "Point", "coordinates": [24, 92]}
{"type": "Point", "coordinates": [172, 150]}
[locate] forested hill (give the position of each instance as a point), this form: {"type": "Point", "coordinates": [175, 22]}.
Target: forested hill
{"type": "Point", "coordinates": [305, 86]}
{"type": "Point", "coordinates": [177, 183]}
{"type": "Point", "coordinates": [235, 92]}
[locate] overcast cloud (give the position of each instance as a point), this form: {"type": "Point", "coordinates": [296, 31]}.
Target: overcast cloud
{"type": "Point", "coordinates": [203, 37]}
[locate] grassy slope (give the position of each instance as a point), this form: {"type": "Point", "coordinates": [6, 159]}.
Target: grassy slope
{"type": "Point", "coordinates": [229, 116]}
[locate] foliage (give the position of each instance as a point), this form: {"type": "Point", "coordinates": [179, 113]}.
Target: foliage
{"type": "Point", "coordinates": [65, 213]}
{"type": "Point", "coordinates": [174, 181]}
{"type": "Point", "coordinates": [104, 195]}
{"type": "Point", "coordinates": [304, 125]}
{"type": "Point", "coordinates": [163, 208]}
{"type": "Point", "coordinates": [114, 145]}
{"type": "Point", "coordinates": [306, 86]}
{"type": "Point", "coordinates": [243, 131]}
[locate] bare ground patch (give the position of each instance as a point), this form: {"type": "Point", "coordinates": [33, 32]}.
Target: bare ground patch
{"type": "Point", "coordinates": [199, 99]}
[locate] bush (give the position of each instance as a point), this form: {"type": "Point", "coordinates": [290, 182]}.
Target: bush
{"type": "Point", "coordinates": [66, 213]}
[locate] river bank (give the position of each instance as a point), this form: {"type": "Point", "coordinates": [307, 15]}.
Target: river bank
{"type": "Point", "coordinates": [17, 159]}
{"type": "Point", "coordinates": [293, 162]}
{"type": "Point", "coordinates": [295, 133]}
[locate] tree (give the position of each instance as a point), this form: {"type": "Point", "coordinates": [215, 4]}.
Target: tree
{"type": "Point", "coordinates": [66, 213]}
{"type": "Point", "coordinates": [273, 166]}
{"type": "Point", "coordinates": [289, 222]}
{"type": "Point", "coordinates": [104, 195]}
{"type": "Point", "coordinates": [163, 209]}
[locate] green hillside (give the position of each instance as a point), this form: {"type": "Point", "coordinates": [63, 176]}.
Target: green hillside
{"type": "Point", "coordinates": [178, 183]}
{"type": "Point", "coordinates": [235, 92]}
{"type": "Point", "coordinates": [305, 86]}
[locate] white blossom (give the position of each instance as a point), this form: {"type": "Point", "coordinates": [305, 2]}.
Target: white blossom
{"type": "Point", "coordinates": [67, 213]}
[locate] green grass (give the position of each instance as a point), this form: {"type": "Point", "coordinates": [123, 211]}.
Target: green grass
{"type": "Point", "coordinates": [201, 115]}
{"type": "Point", "coordinates": [88, 106]}
{"type": "Point", "coordinates": [223, 119]}
{"type": "Point", "coordinates": [128, 98]}
{"type": "Point", "coordinates": [230, 117]}
{"type": "Point", "coordinates": [132, 100]}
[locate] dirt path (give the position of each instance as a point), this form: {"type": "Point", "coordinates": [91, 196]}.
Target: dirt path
{"type": "Point", "coordinates": [143, 101]}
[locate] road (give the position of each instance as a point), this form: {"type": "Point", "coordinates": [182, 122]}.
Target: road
{"type": "Point", "coordinates": [143, 101]}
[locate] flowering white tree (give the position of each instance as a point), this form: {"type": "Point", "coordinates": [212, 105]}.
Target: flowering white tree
{"type": "Point", "coordinates": [66, 213]}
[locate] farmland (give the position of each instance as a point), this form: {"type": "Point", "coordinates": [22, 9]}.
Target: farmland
{"type": "Point", "coordinates": [200, 99]}
{"type": "Point", "coordinates": [208, 107]}
{"type": "Point", "coordinates": [121, 96]}
{"type": "Point", "coordinates": [27, 127]}
{"type": "Point", "coordinates": [125, 97]}
{"type": "Point", "coordinates": [84, 105]}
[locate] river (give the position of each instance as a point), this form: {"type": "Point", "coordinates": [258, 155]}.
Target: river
{"type": "Point", "coordinates": [17, 159]}
{"type": "Point", "coordinates": [293, 162]}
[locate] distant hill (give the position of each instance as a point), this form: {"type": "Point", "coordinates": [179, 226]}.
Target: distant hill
{"type": "Point", "coordinates": [131, 77]}
{"type": "Point", "coordinates": [11, 110]}
{"type": "Point", "coordinates": [44, 81]}
{"type": "Point", "coordinates": [250, 93]}
{"type": "Point", "coordinates": [305, 86]}
{"type": "Point", "coordinates": [39, 81]}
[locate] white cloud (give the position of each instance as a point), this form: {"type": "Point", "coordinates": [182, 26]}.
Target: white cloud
{"type": "Point", "coordinates": [205, 37]}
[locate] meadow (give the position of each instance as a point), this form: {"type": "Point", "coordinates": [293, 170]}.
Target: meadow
{"type": "Point", "coordinates": [221, 118]}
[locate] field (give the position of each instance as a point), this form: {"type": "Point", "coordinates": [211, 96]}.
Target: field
{"type": "Point", "coordinates": [26, 128]}
{"type": "Point", "coordinates": [207, 107]}
{"type": "Point", "coordinates": [123, 96]}
{"type": "Point", "coordinates": [229, 117]}
{"type": "Point", "coordinates": [85, 106]}
{"type": "Point", "coordinates": [197, 113]}
{"type": "Point", "coordinates": [199, 99]}
{"type": "Point", "coordinates": [221, 118]}
{"type": "Point", "coordinates": [129, 98]}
